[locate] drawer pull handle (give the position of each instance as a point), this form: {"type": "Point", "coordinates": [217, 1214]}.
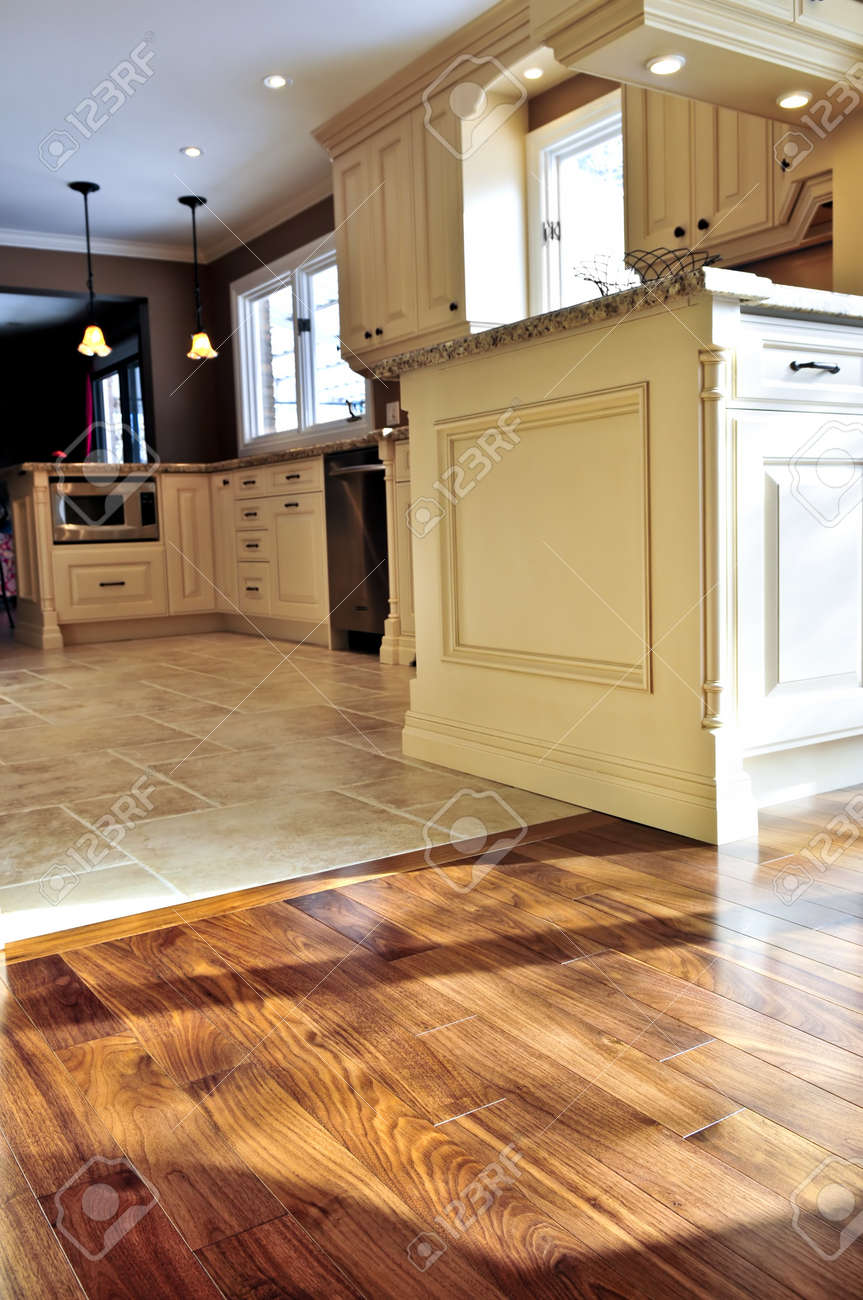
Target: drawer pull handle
{"type": "Point", "coordinates": [118, 583]}
{"type": "Point", "coordinates": [292, 505]}
{"type": "Point", "coordinates": [249, 482]}
{"type": "Point", "coordinates": [814, 365]}
{"type": "Point", "coordinates": [250, 514]}
{"type": "Point", "coordinates": [290, 476]}
{"type": "Point", "coordinates": [253, 589]}
{"type": "Point", "coordinates": [252, 546]}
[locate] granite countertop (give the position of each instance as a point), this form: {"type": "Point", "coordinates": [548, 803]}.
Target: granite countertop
{"type": "Point", "coordinates": [756, 293]}
{"type": "Point", "coordinates": [317, 448]}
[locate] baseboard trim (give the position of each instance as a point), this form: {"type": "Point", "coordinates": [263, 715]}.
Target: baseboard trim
{"type": "Point", "coordinates": [673, 800]}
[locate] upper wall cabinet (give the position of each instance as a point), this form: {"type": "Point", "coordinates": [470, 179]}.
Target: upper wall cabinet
{"type": "Point", "coordinates": [742, 54]}
{"type": "Point", "coordinates": [425, 217]}
{"type": "Point", "coordinates": [696, 176]}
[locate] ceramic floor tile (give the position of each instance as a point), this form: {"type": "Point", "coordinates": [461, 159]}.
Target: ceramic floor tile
{"type": "Point", "coordinates": [229, 778]}
{"type": "Point", "coordinates": [65, 900]}
{"type": "Point", "coordinates": [57, 780]}
{"type": "Point", "coordinates": [32, 842]}
{"type": "Point", "coordinates": [154, 797]}
{"type": "Point", "coordinates": [498, 807]}
{"type": "Point", "coordinates": [288, 726]}
{"type": "Point", "coordinates": [169, 751]}
{"type": "Point", "coordinates": [85, 737]}
{"type": "Point", "coordinates": [268, 840]}
{"type": "Point", "coordinates": [419, 785]}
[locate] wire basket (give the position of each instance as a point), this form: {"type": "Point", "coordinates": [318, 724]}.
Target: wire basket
{"type": "Point", "coordinates": [667, 263]}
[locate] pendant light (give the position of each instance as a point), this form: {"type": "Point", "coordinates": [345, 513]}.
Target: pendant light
{"type": "Point", "coordinates": [93, 343]}
{"type": "Point", "coordinates": [201, 349]}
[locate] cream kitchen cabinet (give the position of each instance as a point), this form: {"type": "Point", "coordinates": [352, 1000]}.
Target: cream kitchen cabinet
{"type": "Point", "coordinates": [375, 240]}
{"type": "Point", "coordinates": [424, 224]}
{"type": "Point", "coordinates": [298, 584]}
{"type": "Point", "coordinates": [842, 19]}
{"type": "Point", "coordinates": [187, 532]}
{"type": "Point", "coordinates": [696, 176]}
{"type": "Point", "coordinates": [122, 580]}
{"type": "Point", "coordinates": [224, 561]}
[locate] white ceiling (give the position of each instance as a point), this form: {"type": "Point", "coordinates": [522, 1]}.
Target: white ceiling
{"type": "Point", "coordinates": [260, 161]}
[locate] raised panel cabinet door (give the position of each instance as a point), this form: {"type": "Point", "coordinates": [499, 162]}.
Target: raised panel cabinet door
{"type": "Point", "coordinates": [657, 180]}
{"type": "Point", "coordinates": [224, 546]}
{"type": "Point", "coordinates": [439, 226]}
{"type": "Point", "coordinates": [734, 166]}
{"type": "Point", "coordinates": [353, 192]}
{"type": "Point", "coordinates": [800, 577]}
{"type": "Point", "coordinates": [394, 232]}
{"type": "Point", "coordinates": [299, 557]}
{"type": "Point", "coordinates": [187, 531]}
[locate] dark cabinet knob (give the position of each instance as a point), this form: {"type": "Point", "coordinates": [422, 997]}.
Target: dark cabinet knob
{"type": "Point", "coordinates": [367, 334]}
{"type": "Point", "coordinates": [453, 306]}
{"type": "Point", "coordinates": [226, 482]}
{"type": "Point", "coordinates": [379, 331]}
{"type": "Point", "coordinates": [703, 223]}
{"type": "Point", "coordinates": [679, 232]}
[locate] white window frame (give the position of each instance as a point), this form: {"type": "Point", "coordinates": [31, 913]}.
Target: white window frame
{"type": "Point", "coordinates": [591, 123]}
{"type": "Point", "coordinates": [294, 269]}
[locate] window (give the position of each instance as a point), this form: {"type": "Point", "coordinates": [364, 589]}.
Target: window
{"type": "Point", "coordinates": [291, 379]}
{"type": "Point", "coordinates": [118, 407]}
{"type": "Point", "coordinates": [576, 203]}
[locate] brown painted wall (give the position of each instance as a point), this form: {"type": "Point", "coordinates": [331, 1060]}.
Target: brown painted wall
{"type": "Point", "coordinates": [184, 419]}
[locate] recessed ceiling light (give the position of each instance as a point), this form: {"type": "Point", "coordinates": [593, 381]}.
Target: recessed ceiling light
{"type": "Point", "coordinates": [794, 99]}
{"type": "Point", "coordinates": [275, 81]}
{"type": "Point", "coordinates": [191, 151]}
{"type": "Point", "coordinates": [532, 74]}
{"type": "Point", "coordinates": [666, 65]}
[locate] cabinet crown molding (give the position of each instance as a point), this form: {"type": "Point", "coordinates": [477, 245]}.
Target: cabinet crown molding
{"type": "Point", "coordinates": [501, 35]}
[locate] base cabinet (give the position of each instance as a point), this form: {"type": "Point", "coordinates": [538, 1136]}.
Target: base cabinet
{"type": "Point", "coordinates": [299, 564]}
{"type": "Point", "coordinates": [187, 528]}
{"type": "Point", "coordinates": [125, 580]}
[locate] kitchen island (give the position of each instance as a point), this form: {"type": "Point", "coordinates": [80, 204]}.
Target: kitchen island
{"type": "Point", "coordinates": [637, 543]}
{"type": "Point", "coordinates": [239, 545]}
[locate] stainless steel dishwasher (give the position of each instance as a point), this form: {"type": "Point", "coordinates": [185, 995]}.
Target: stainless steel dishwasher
{"type": "Point", "coordinates": [357, 547]}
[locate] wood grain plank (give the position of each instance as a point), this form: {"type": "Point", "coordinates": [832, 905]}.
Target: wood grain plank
{"type": "Point", "coordinates": [275, 1261]}
{"type": "Point", "coordinates": [62, 1006]}
{"type": "Point", "coordinates": [357, 923]}
{"type": "Point", "coordinates": [203, 1188]}
{"type": "Point", "coordinates": [118, 1239]}
{"type": "Point", "coordinates": [31, 1261]}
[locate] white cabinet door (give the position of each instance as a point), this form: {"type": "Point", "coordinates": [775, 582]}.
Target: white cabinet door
{"type": "Point", "coordinates": [299, 587]}
{"type": "Point", "coordinates": [187, 532]}
{"type": "Point", "coordinates": [657, 133]}
{"type": "Point", "coordinates": [393, 229]}
{"type": "Point", "coordinates": [353, 199]}
{"type": "Point", "coordinates": [733, 166]}
{"type": "Point", "coordinates": [121, 580]}
{"type": "Point", "coordinates": [800, 576]}
{"type": "Point", "coordinates": [439, 225]}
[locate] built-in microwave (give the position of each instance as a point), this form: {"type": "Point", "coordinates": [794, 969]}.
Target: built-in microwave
{"type": "Point", "coordinates": [104, 510]}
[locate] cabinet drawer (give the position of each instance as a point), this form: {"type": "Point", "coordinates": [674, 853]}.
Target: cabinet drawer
{"type": "Point", "coordinates": [297, 476]}
{"type": "Point", "coordinates": [403, 460]}
{"type": "Point", "coordinates": [253, 546]}
{"type": "Point", "coordinates": [251, 482]}
{"type": "Point", "coordinates": [773, 363]}
{"type": "Point", "coordinates": [250, 514]}
{"type": "Point", "coordinates": [129, 583]}
{"type": "Point", "coordinates": [254, 588]}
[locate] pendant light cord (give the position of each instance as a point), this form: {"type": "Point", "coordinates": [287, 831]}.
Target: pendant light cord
{"type": "Point", "coordinates": [198, 313]}
{"type": "Point", "coordinates": [89, 254]}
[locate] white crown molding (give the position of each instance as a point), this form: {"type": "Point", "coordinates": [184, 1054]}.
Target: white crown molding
{"type": "Point", "coordinates": [103, 247]}
{"type": "Point", "coordinates": [307, 198]}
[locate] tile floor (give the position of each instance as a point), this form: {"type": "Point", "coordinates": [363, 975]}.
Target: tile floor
{"type": "Point", "coordinates": [136, 774]}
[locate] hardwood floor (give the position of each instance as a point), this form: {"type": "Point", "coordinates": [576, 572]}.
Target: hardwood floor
{"type": "Point", "coordinates": [619, 1063]}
